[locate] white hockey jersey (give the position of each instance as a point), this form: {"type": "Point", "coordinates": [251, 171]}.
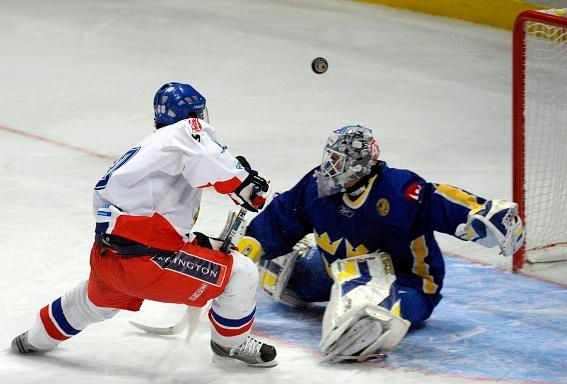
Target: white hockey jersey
{"type": "Point", "coordinates": [152, 193]}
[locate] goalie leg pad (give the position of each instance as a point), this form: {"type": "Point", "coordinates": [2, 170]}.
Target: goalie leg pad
{"type": "Point", "coordinates": [356, 339]}
{"type": "Point", "coordinates": [353, 303]}
{"type": "Point", "coordinates": [274, 278]}
{"type": "Point", "coordinates": [275, 274]}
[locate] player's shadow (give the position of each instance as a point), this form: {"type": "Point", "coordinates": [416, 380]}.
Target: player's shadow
{"type": "Point", "coordinates": [159, 369]}
{"type": "Point", "coordinates": [310, 312]}
{"type": "Point", "coordinates": [46, 362]}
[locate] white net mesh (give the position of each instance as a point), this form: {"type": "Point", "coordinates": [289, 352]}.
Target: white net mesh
{"type": "Point", "coordinates": [546, 142]}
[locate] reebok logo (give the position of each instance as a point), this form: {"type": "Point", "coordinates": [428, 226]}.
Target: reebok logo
{"type": "Point", "coordinates": [346, 211]}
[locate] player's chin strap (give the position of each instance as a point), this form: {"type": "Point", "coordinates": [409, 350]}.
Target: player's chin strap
{"type": "Point", "coordinates": [354, 328]}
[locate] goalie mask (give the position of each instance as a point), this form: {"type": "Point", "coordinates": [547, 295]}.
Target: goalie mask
{"type": "Point", "coordinates": [349, 155]}
{"type": "Point", "coordinates": [174, 102]}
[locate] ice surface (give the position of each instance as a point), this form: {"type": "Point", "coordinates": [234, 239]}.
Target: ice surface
{"type": "Point", "coordinates": [82, 74]}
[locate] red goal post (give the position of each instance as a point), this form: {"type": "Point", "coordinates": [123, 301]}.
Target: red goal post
{"type": "Point", "coordinates": [540, 133]}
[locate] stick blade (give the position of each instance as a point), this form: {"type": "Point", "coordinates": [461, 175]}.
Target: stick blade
{"type": "Point", "coordinates": [193, 317]}
{"type": "Point", "coordinates": [165, 331]}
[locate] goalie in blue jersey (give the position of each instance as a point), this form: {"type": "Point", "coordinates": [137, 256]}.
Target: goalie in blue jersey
{"type": "Point", "coordinates": [360, 234]}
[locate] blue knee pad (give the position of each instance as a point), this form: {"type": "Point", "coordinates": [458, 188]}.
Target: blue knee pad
{"type": "Point", "coordinates": [309, 279]}
{"type": "Point", "coordinates": [416, 306]}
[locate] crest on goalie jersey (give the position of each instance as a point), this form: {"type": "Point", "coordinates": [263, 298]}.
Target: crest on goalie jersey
{"type": "Point", "coordinates": [383, 207]}
{"type": "Point", "coordinates": [413, 191]}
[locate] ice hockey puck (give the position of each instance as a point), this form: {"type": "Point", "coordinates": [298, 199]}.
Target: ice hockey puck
{"type": "Point", "coordinates": [319, 65]}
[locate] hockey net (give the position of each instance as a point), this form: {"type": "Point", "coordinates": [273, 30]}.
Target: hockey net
{"type": "Point", "coordinates": [540, 133]}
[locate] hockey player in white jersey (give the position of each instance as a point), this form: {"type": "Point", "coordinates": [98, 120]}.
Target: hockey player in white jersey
{"type": "Point", "coordinates": [145, 207]}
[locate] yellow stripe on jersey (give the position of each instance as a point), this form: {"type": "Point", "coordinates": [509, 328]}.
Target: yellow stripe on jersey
{"type": "Point", "coordinates": [358, 251]}
{"type": "Point", "coordinates": [457, 196]}
{"type": "Point", "coordinates": [357, 203]}
{"type": "Point", "coordinates": [324, 242]}
{"type": "Point", "coordinates": [420, 267]}
{"type": "Point", "coordinates": [327, 266]}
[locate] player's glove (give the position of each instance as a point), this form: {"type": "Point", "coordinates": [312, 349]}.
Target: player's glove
{"type": "Point", "coordinates": [253, 191]}
{"type": "Point", "coordinates": [494, 223]}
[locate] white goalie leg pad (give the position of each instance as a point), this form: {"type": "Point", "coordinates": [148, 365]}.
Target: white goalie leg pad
{"type": "Point", "coordinates": [275, 274]}
{"type": "Point", "coordinates": [354, 326]}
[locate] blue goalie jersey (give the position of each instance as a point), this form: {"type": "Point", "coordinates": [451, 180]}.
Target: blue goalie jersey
{"type": "Point", "coordinates": [397, 213]}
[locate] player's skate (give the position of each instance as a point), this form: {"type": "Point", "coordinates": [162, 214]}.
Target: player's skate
{"type": "Point", "coordinates": [252, 352]}
{"type": "Point", "coordinates": [21, 345]}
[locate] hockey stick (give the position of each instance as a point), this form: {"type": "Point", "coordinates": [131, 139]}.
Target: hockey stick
{"type": "Point", "coordinates": [232, 230]}
{"type": "Point", "coordinates": [193, 314]}
{"type": "Point", "coordinates": [171, 330]}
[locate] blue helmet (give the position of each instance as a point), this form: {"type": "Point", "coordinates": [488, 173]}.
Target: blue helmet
{"type": "Point", "coordinates": [175, 101]}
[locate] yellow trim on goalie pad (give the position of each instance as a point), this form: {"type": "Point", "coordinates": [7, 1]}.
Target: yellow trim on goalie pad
{"type": "Point", "coordinates": [268, 279]}
{"type": "Point", "coordinates": [349, 270]}
{"type": "Point", "coordinates": [496, 13]}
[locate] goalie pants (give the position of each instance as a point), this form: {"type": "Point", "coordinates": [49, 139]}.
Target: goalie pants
{"type": "Point", "coordinates": [311, 283]}
{"type": "Point", "coordinates": [191, 276]}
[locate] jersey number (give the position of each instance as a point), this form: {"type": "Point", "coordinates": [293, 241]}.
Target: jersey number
{"type": "Point", "coordinates": [117, 164]}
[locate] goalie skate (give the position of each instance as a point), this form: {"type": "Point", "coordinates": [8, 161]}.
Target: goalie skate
{"type": "Point", "coordinates": [252, 352]}
{"type": "Point", "coordinates": [360, 336]}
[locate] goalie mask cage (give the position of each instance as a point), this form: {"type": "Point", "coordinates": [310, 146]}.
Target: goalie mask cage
{"type": "Point", "coordinates": [540, 133]}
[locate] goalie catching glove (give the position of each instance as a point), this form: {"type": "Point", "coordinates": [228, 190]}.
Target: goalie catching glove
{"type": "Point", "coordinates": [495, 223]}
{"type": "Point", "coordinates": [253, 191]}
